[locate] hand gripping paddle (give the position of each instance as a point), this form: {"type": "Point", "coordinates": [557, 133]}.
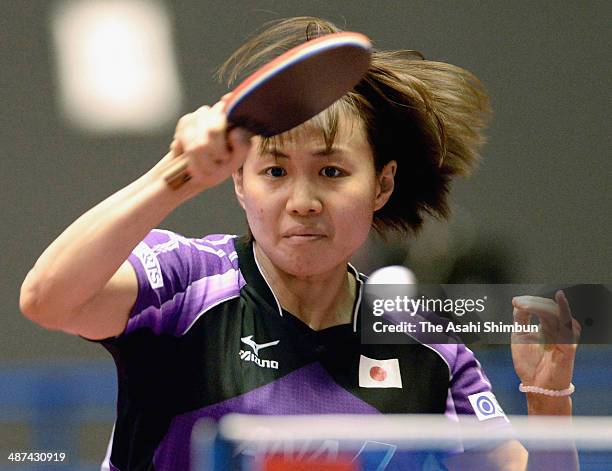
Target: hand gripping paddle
{"type": "Point", "coordinates": [294, 87]}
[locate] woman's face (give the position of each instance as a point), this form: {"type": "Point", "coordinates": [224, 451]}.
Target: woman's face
{"type": "Point", "coordinates": [309, 210]}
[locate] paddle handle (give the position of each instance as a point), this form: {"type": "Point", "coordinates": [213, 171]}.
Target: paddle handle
{"type": "Point", "coordinates": [176, 175]}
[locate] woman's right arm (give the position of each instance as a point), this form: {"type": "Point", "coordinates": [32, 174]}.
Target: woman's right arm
{"type": "Point", "coordinates": [82, 283]}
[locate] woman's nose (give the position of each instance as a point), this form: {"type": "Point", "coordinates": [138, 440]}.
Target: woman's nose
{"type": "Point", "coordinates": [303, 199]}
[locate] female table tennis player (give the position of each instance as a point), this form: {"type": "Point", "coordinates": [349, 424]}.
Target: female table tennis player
{"type": "Point", "coordinates": [266, 324]}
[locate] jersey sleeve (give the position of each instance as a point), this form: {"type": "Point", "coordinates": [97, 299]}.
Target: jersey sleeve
{"type": "Point", "coordinates": [179, 279]}
{"type": "Point", "coordinates": [470, 391]}
{"type": "Point", "coordinates": [471, 398]}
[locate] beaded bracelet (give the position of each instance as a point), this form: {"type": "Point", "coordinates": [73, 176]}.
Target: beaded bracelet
{"type": "Point", "coordinates": [547, 392]}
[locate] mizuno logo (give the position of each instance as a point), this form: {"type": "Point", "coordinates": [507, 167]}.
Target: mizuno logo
{"type": "Point", "coordinates": [254, 355]}
{"type": "Point", "coordinates": [257, 346]}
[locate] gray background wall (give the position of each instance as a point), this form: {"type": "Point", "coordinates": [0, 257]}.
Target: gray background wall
{"type": "Point", "coordinates": [543, 191]}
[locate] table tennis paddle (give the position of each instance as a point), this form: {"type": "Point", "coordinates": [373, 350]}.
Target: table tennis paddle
{"type": "Point", "coordinates": [293, 87]}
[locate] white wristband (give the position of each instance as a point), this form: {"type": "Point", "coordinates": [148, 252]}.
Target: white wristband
{"type": "Point", "coordinates": [547, 392]}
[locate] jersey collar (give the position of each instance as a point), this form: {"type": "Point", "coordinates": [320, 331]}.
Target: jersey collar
{"type": "Point", "coordinates": [253, 275]}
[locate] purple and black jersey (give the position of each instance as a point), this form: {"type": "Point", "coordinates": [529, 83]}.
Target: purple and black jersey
{"type": "Point", "coordinates": [207, 337]}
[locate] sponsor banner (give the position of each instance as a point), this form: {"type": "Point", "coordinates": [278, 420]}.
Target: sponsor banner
{"type": "Point", "coordinates": [486, 314]}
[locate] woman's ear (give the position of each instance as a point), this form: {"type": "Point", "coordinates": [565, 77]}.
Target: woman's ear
{"type": "Point", "coordinates": [385, 182]}
{"type": "Point", "coordinates": [237, 176]}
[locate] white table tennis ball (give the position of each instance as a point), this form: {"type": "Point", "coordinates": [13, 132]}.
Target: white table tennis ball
{"type": "Point", "coordinates": [392, 275]}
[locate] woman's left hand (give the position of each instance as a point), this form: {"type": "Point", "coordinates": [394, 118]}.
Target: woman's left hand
{"type": "Point", "coordinates": [545, 359]}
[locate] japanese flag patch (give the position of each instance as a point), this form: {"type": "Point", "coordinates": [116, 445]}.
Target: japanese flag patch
{"type": "Point", "coordinates": [379, 373]}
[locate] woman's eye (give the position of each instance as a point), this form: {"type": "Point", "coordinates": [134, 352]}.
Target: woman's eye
{"type": "Point", "coordinates": [331, 172]}
{"type": "Point", "coordinates": [275, 172]}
